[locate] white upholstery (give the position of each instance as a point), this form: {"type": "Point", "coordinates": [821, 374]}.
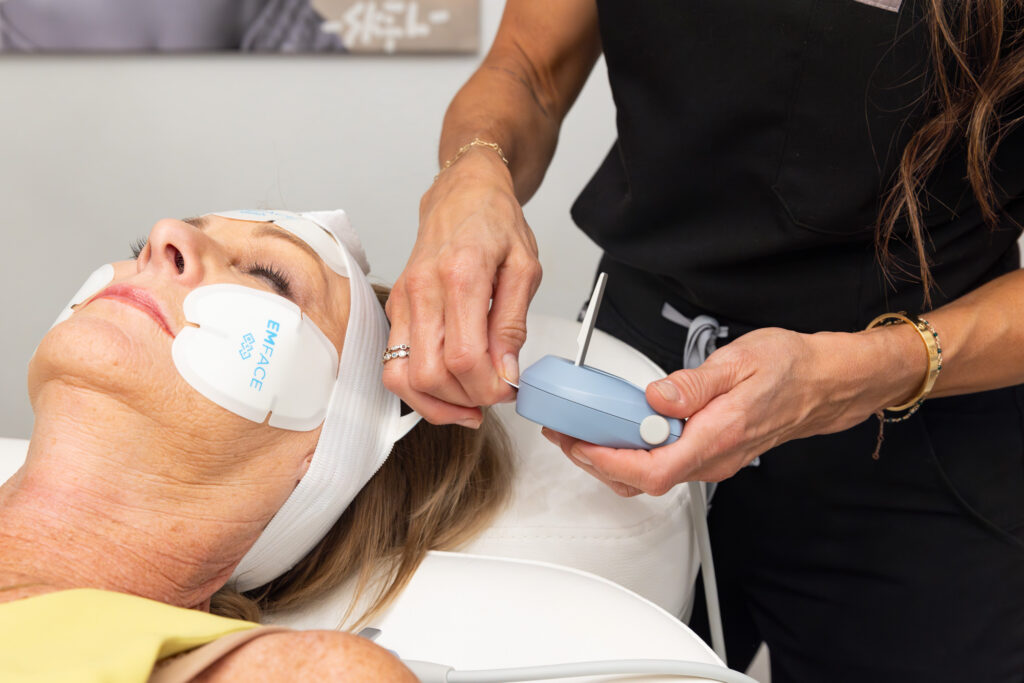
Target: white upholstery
{"type": "Point", "coordinates": [475, 612]}
{"type": "Point", "coordinates": [561, 514]}
{"type": "Point", "coordinates": [558, 513]}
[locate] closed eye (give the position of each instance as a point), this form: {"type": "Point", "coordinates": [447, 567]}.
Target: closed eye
{"type": "Point", "coordinates": [276, 279]}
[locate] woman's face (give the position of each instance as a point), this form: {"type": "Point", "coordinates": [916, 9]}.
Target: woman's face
{"type": "Point", "coordinates": [118, 343]}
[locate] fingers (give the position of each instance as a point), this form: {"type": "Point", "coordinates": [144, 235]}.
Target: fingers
{"type": "Point", "coordinates": [415, 378]}
{"type": "Point", "coordinates": [506, 334]}
{"type": "Point", "coordinates": [714, 446]}
{"type": "Point", "coordinates": [444, 319]}
{"type": "Point", "coordinates": [466, 280]}
{"type": "Point", "coordinates": [473, 246]}
{"type": "Point", "coordinates": [428, 372]}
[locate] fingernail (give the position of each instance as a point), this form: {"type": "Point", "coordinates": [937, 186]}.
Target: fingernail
{"type": "Point", "coordinates": [578, 454]}
{"type": "Point", "coordinates": [469, 422]}
{"type": "Point", "coordinates": [511, 366]}
{"type": "Point", "coordinates": [668, 391]}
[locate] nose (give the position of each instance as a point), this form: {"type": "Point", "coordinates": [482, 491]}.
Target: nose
{"type": "Point", "coordinates": [176, 250]}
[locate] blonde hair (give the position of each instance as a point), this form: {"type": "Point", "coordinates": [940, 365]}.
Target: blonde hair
{"type": "Point", "coordinates": [440, 487]}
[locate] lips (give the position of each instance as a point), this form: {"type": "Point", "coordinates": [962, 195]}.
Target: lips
{"type": "Point", "coordinates": [137, 298]}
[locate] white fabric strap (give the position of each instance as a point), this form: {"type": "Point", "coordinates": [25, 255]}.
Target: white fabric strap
{"type": "Point", "coordinates": [362, 425]}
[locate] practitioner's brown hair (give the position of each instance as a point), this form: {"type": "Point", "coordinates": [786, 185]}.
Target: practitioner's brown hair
{"type": "Point", "coordinates": [976, 67]}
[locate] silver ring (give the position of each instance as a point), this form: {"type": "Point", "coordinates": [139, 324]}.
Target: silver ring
{"type": "Point", "coordinates": [393, 352]}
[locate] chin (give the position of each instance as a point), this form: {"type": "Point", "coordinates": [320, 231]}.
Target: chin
{"type": "Point", "coordinates": [119, 353]}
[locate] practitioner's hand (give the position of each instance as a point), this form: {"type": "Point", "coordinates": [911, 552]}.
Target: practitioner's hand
{"type": "Point", "coordinates": [474, 246]}
{"type": "Point", "coordinates": [765, 388]}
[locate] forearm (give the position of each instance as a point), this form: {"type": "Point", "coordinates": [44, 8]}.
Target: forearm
{"type": "Point", "coordinates": [982, 336]}
{"type": "Point", "coordinates": [519, 96]}
{"type": "Point", "coordinates": [982, 339]}
{"type": "Point", "coordinates": [498, 106]}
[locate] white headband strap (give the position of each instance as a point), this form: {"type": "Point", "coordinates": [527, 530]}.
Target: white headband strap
{"type": "Point", "coordinates": [363, 418]}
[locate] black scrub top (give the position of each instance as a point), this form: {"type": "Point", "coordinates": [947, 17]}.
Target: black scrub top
{"type": "Point", "coordinates": [756, 141]}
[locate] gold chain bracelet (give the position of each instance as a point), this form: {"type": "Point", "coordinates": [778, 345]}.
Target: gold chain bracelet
{"type": "Point", "coordinates": [475, 142]}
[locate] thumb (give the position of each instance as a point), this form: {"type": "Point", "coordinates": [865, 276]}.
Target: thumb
{"type": "Point", "coordinates": [684, 392]}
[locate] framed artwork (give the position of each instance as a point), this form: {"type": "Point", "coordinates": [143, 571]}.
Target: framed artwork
{"type": "Point", "coordinates": [259, 26]}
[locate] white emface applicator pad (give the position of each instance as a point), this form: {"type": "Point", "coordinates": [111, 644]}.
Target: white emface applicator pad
{"type": "Point", "coordinates": [255, 353]}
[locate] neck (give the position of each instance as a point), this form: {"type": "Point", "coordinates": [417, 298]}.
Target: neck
{"type": "Point", "coordinates": [125, 510]}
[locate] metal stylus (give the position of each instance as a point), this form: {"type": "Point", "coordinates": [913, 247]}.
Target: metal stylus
{"type": "Point", "coordinates": [590, 319]}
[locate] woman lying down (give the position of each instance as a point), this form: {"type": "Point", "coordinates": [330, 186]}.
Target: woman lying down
{"type": "Point", "coordinates": [212, 438]}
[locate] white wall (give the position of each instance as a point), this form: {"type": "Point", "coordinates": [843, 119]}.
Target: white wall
{"type": "Point", "coordinates": [94, 150]}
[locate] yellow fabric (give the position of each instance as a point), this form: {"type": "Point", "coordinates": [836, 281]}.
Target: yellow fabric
{"type": "Point", "coordinates": [95, 636]}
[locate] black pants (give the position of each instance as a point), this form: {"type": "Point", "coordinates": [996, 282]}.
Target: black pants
{"type": "Point", "coordinates": [905, 568]}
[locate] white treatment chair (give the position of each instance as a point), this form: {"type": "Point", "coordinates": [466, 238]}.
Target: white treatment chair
{"type": "Point", "coordinates": [568, 571]}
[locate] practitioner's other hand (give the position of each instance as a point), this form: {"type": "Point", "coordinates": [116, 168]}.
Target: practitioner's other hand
{"type": "Point", "coordinates": [460, 304]}
{"type": "Point", "coordinates": [767, 387]}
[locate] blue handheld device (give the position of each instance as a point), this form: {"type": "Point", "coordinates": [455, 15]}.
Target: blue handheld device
{"type": "Point", "coordinates": [590, 404]}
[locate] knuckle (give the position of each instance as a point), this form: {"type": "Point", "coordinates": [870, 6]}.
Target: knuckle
{"type": "Point", "coordinates": [417, 279]}
{"type": "Point", "coordinates": [460, 358]}
{"type": "Point", "coordinates": [620, 490]}
{"type": "Point", "coordinates": [424, 380]}
{"type": "Point", "coordinates": [433, 417]}
{"type": "Point", "coordinates": [512, 333]}
{"type": "Point", "coordinates": [691, 383]}
{"type": "Point", "coordinates": [659, 481]}
{"type": "Point", "coordinates": [735, 433]}
{"type": "Point", "coordinates": [524, 270]}
{"type": "Point", "coordinates": [533, 272]}
{"type": "Point", "coordinates": [395, 304]}
{"type": "Point", "coordinates": [738, 357]}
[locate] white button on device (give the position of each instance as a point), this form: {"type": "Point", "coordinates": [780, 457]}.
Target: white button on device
{"type": "Point", "coordinates": [654, 430]}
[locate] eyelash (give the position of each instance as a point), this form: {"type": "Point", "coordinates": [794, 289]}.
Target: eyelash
{"type": "Point", "coordinates": [277, 279]}
{"type": "Point", "coordinates": [137, 245]}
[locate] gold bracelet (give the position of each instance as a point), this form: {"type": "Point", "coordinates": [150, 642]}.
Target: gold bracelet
{"type": "Point", "coordinates": [930, 337]}
{"type": "Point", "coordinates": [475, 142]}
